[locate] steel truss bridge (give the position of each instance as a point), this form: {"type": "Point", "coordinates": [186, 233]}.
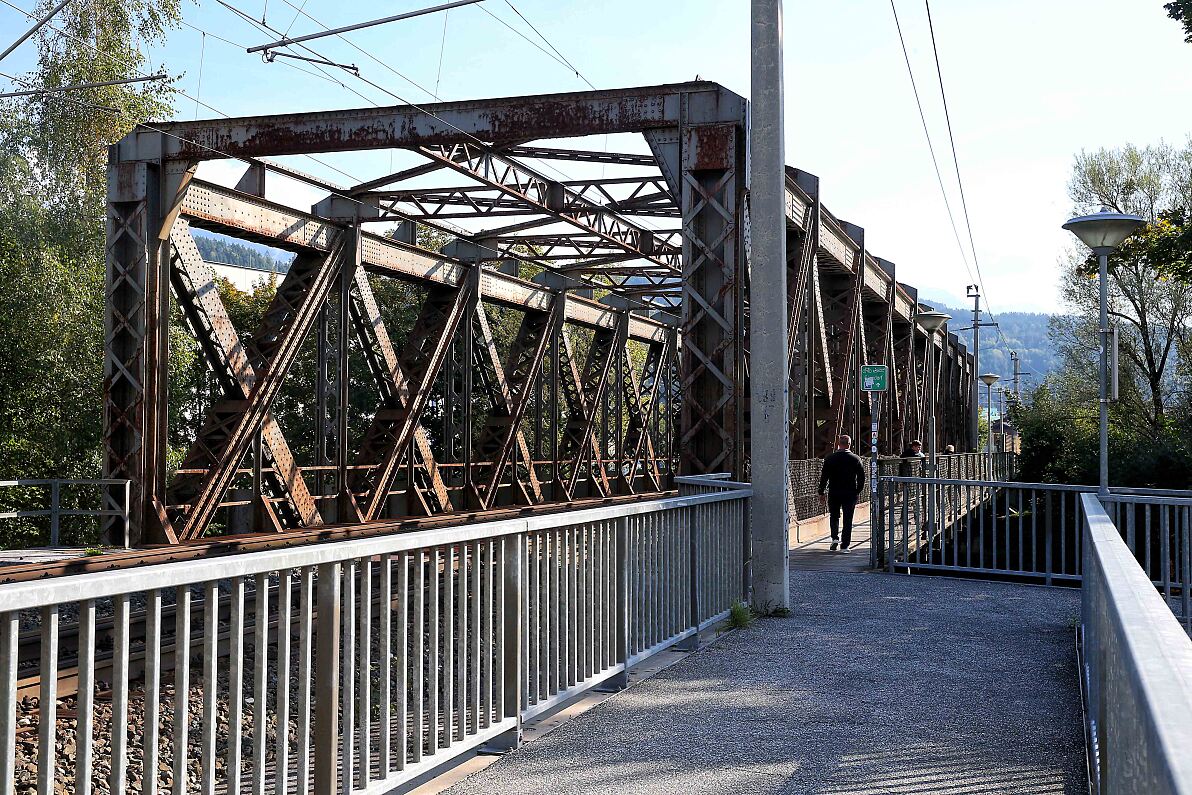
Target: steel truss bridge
{"type": "Point", "coordinates": [574, 340]}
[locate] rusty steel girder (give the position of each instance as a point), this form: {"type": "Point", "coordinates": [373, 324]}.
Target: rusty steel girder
{"type": "Point", "coordinates": [506, 382]}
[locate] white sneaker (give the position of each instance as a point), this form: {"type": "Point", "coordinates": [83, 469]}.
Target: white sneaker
{"type": "Point", "coordinates": [844, 550]}
{"type": "Point", "coordinates": [835, 544]}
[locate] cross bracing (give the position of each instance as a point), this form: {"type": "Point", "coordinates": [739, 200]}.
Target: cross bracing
{"type": "Point", "coordinates": [574, 338]}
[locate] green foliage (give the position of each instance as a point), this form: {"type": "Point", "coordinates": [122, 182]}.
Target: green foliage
{"type": "Point", "coordinates": [740, 615]}
{"type": "Point", "coordinates": [1181, 12]}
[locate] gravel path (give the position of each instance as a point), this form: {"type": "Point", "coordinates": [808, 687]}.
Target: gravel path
{"type": "Point", "coordinates": [875, 683]}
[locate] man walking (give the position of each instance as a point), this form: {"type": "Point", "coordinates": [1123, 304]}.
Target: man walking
{"type": "Point", "coordinates": [844, 477]}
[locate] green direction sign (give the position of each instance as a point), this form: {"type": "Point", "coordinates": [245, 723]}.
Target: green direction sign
{"type": "Point", "coordinates": [875, 377]}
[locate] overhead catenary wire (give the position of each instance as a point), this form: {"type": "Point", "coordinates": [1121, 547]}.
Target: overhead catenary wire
{"type": "Point", "coordinates": [77, 86]}
{"type": "Point", "coordinates": [336, 190]}
{"type": "Point", "coordinates": [570, 65]}
{"type": "Point", "coordinates": [956, 165]}
{"type": "Point", "coordinates": [285, 41]}
{"type": "Point", "coordinates": [930, 146]}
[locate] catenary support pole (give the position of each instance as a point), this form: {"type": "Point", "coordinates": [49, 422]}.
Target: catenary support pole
{"type": "Point", "coordinates": [975, 441]}
{"type": "Point", "coordinates": [769, 380]}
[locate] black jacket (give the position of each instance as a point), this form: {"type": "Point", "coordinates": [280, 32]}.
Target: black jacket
{"type": "Point", "coordinates": [843, 474]}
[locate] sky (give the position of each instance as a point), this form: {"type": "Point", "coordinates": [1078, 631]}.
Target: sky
{"type": "Point", "coordinates": [1030, 83]}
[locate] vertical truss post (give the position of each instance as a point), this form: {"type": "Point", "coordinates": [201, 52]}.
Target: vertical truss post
{"type": "Point", "coordinates": [713, 166]}
{"type": "Point", "coordinates": [136, 354]}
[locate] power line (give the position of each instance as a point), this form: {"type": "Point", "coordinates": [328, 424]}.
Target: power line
{"type": "Point", "coordinates": [548, 44]}
{"type": "Point", "coordinates": [286, 41]}
{"type": "Point", "coordinates": [956, 165]}
{"type": "Point", "coordinates": [930, 147]}
{"type": "Point", "coordinates": [336, 190]}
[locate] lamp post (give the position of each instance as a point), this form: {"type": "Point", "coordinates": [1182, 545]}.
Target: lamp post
{"type": "Point", "coordinates": [1103, 232]}
{"type": "Point", "coordinates": [989, 379]}
{"type": "Point", "coordinates": [931, 321]}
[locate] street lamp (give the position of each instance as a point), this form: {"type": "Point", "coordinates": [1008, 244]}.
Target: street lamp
{"type": "Point", "coordinates": [1103, 232]}
{"type": "Point", "coordinates": [989, 379]}
{"type": "Point", "coordinates": [931, 321]}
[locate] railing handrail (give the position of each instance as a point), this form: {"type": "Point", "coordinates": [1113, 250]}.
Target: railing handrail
{"type": "Point", "coordinates": [1017, 484]}
{"type": "Point", "coordinates": [1155, 651]}
{"type": "Point", "coordinates": [98, 585]}
{"type": "Point", "coordinates": [70, 481]}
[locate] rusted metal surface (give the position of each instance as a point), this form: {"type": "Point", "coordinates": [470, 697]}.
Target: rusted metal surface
{"type": "Point", "coordinates": [514, 384]}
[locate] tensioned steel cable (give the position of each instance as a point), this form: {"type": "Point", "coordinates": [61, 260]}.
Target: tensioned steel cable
{"type": "Point", "coordinates": [930, 146]}
{"type": "Point", "coordinates": [265, 164]}
{"type": "Point", "coordinates": [956, 165]}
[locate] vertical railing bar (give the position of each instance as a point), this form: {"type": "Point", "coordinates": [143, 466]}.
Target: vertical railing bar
{"type": "Point", "coordinates": [85, 728]}
{"type": "Point", "coordinates": [403, 658]}
{"type": "Point", "coordinates": [476, 636]}
{"type": "Point", "coordinates": [119, 738]}
{"type": "Point", "coordinates": [152, 705]}
{"type": "Point", "coordinates": [260, 685]}
{"type": "Point", "coordinates": [1049, 532]}
{"type": "Point", "coordinates": [533, 615]}
{"type": "Point", "coordinates": [462, 633]}
{"type": "Point", "coordinates": [181, 686]}
{"type": "Point", "coordinates": [305, 625]}
{"type": "Point", "coordinates": [10, 625]}
{"type": "Point", "coordinates": [385, 658]}
{"type": "Point", "coordinates": [421, 622]}
{"type": "Point", "coordinates": [281, 746]}
{"type": "Point", "coordinates": [573, 622]}
{"type": "Point", "coordinates": [498, 631]}
{"type": "Point", "coordinates": [549, 642]}
{"type": "Point", "coordinates": [487, 632]}
{"type": "Point", "coordinates": [235, 685]}
{"type": "Point", "coordinates": [1164, 552]}
{"type": "Point", "coordinates": [328, 664]}
{"type": "Point", "coordinates": [364, 677]}
{"type": "Point", "coordinates": [210, 688]}
{"type": "Point", "coordinates": [432, 668]}
{"type": "Point", "coordinates": [448, 619]}
{"type": "Point", "coordinates": [347, 682]}
{"type": "Point", "coordinates": [556, 613]}
{"type": "Point", "coordinates": [47, 719]}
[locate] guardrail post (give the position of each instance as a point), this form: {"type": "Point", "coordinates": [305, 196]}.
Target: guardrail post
{"type": "Point", "coordinates": [513, 558]}
{"type": "Point", "coordinates": [55, 496]}
{"type": "Point", "coordinates": [692, 643]}
{"type": "Point", "coordinates": [326, 728]}
{"type": "Point", "coordinates": [621, 615]}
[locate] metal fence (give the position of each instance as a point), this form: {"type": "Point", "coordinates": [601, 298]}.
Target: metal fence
{"type": "Point", "coordinates": [1136, 663]}
{"type": "Point", "coordinates": [805, 475]}
{"type": "Point", "coordinates": [1031, 531]}
{"type": "Point", "coordinates": [33, 510]}
{"type": "Point", "coordinates": [350, 666]}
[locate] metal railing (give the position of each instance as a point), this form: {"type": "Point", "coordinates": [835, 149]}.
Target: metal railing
{"type": "Point", "coordinates": [356, 665]}
{"type": "Point", "coordinates": [985, 527]}
{"type": "Point", "coordinates": [51, 499]}
{"type": "Point", "coordinates": [1031, 531]}
{"type": "Point", "coordinates": [1136, 665]}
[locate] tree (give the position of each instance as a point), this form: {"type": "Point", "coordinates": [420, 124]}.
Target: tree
{"type": "Point", "coordinates": [53, 179]}
{"type": "Point", "coordinates": [1149, 301]}
{"type": "Point", "coordinates": [1181, 12]}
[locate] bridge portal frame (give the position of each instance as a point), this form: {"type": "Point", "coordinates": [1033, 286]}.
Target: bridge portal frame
{"type": "Point", "coordinates": [680, 292]}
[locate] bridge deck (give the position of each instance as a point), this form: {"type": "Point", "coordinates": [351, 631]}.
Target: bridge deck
{"type": "Point", "coordinates": [875, 683]}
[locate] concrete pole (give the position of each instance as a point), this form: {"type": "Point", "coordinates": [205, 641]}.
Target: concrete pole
{"type": "Point", "coordinates": [1103, 370]}
{"type": "Point", "coordinates": [768, 369]}
{"type": "Point", "coordinates": [932, 404]}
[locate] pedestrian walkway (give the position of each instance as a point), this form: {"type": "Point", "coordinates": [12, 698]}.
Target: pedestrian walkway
{"type": "Point", "coordinates": [874, 683]}
{"type": "Point", "coordinates": [817, 554]}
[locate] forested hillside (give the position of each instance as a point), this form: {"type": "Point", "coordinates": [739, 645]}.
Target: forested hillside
{"type": "Point", "coordinates": [245, 255]}
{"type": "Point", "coordinates": [1025, 332]}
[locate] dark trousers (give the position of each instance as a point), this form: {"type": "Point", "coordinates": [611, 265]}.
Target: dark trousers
{"type": "Point", "coordinates": [839, 504]}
